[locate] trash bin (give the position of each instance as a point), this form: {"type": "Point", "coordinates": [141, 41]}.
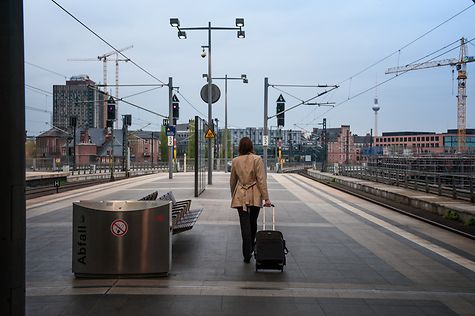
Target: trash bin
{"type": "Point", "coordinates": [121, 238]}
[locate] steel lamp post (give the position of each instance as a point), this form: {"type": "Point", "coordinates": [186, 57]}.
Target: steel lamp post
{"type": "Point", "coordinates": [226, 78]}
{"type": "Point", "coordinates": [175, 22]}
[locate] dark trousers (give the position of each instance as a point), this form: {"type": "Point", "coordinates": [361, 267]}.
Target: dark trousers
{"type": "Point", "coordinates": [248, 222]}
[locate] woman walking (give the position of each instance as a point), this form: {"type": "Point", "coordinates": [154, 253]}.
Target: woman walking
{"type": "Point", "coordinates": [248, 189]}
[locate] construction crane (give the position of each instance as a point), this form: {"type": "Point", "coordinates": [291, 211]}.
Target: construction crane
{"type": "Point", "coordinates": [104, 59]}
{"type": "Point", "coordinates": [461, 65]}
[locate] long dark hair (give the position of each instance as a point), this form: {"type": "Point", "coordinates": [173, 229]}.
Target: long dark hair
{"type": "Point", "coordinates": [245, 146]}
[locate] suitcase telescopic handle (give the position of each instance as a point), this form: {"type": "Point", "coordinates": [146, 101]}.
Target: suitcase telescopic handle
{"type": "Point", "coordinates": [264, 217]}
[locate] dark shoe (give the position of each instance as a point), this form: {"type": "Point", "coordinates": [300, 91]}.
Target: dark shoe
{"type": "Point", "coordinates": [247, 260]}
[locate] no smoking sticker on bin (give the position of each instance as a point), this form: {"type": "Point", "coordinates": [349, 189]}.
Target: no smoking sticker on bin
{"type": "Point", "coordinates": [119, 227]}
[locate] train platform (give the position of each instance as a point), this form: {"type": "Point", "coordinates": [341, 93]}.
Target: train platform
{"type": "Point", "coordinates": [346, 256]}
{"type": "Point", "coordinates": [441, 206]}
{"type": "Point", "coordinates": [33, 175]}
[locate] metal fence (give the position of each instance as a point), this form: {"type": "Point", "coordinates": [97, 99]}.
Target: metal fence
{"type": "Point", "coordinates": [444, 184]}
{"type": "Point", "coordinates": [179, 165]}
{"type": "Point", "coordinates": [200, 162]}
{"type": "Point", "coordinates": [53, 165]}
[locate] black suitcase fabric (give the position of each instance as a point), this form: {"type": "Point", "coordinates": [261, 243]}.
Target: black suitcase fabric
{"type": "Point", "coordinates": [270, 249]}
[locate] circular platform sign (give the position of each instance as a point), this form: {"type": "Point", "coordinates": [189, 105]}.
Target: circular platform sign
{"type": "Point", "coordinates": [215, 93]}
{"type": "Point", "coordinates": [119, 228]}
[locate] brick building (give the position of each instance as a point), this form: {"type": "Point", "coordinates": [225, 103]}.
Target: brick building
{"type": "Point", "coordinates": [424, 142]}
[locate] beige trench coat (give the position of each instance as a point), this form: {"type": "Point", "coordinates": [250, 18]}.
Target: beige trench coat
{"type": "Point", "coordinates": [248, 181]}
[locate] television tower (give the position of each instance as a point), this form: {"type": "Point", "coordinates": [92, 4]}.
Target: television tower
{"type": "Point", "coordinates": [376, 109]}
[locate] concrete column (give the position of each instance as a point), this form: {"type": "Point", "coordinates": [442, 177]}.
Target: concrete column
{"type": "Point", "coordinates": [13, 223]}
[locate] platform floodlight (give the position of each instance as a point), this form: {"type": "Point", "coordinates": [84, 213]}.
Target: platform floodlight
{"type": "Point", "coordinates": [181, 34]}
{"type": "Point", "coordinates": [174, 22]}
{"type": "Point", "coordinates": [239, 22]}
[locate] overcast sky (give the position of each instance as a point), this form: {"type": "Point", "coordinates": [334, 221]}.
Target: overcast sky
{"type": "Point", "coordinates": [290, 42]}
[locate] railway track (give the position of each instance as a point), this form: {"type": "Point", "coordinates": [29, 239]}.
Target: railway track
{"type": "Point", "coordinates": [38, 191]}
{"type": "Point", "coordinates": [433, 219]}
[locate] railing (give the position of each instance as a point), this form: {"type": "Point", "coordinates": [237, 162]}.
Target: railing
{"type": "Point", "coordinates": [50, 165]}
{"type": "Point", "coordinates": [451, 185]}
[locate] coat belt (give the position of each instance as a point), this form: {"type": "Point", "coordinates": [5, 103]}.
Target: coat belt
{"type": "Point", "coordinates": [248, 198]}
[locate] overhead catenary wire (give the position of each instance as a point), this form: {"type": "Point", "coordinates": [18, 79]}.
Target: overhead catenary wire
{"type": "Point", "coordinates": [138, 93]}
{"type": "Point", "coordinates": [399, 74]}
{"type": "Point", "coordinates": [186, 100]}
{"type": "Point", "coordinates": [142, 108]}
{"type": "Point", "coordinates": [148, 123]}
{"type": "Point", "coordinates": [285, 92]}
{"type": "Point", "coordinates": [39, 90]}
{"type": "Point", "coordinates": [48, 93]}
{"type": "Point", "coordinates": [398, 51]}
{"type": "Point", "coordinates": [46, 69]}
{"type": "Point", "coordinates": [328, 97]}
{"type": "Point", "coordinates": [129, 103]}
{"type": "Point", "coordinates": [32, 108]}
{"type": "Point", "coordinates": [118, 52]}
{"type": "Point", "coordinates": [304, 101]}
{"type": "Point", "coordinates": [107, 43]}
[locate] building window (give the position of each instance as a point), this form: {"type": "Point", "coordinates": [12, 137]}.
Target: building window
{"type": "Point", "coordinates": [405, 139]}
{"type": "Point", "coordinates": [418, 138]}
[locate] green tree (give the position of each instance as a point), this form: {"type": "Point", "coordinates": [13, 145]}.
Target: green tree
{"type": "Point", "coordinates": [30, 148]}
{"type": "Point", "coordinates": [163, 144]}
{"type": "Point", "coordinates": [223, 149]}
{"type": "Point", "coordinates": [190, 150]}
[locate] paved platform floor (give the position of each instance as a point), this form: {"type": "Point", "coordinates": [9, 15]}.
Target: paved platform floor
{"type": "Point", "coordinates": [347, 257]}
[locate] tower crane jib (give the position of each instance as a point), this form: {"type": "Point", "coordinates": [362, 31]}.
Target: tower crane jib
{"type": "Point", "coordinates": [104, 58]}
{"type": "Point", "coordinates": [461, 65]}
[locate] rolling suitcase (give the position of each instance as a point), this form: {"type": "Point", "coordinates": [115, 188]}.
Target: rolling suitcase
{"type": "Point", "coordinates": [270, 249]}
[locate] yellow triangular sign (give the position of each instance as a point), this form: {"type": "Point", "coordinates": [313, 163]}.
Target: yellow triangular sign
{"type": "Point", "coordinates": [209, 133]}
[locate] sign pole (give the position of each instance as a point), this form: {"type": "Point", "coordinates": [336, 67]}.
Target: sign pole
{"type": "Point", "coordinates": [226, 123]}
{"type": "Point", "coordinates": [170, 121]}
{"type": "Point", "coordinates": [210, 103]}
{"type": "Point", "coordinates": [265, 132]}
